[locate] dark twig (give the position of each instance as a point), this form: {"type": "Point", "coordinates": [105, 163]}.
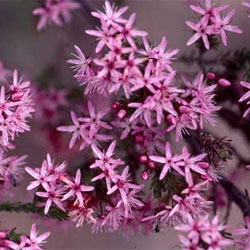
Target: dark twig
{"type": "Point", "coordinates": [229, 206]}
{"type": "Point", "coordinates": [236, 195]}
{"type": "Point", "coordinates": [88, 9]}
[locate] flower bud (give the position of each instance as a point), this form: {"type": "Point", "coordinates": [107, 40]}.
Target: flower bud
{"type": "Point", "coordinates": [115, 105]}
{"type": "Point", "coordinates": [16, 96]}
{"type": "Point", "coordinates": [151, 165]}
{"type": "Point", "coordinates": [224, 82]}
{"type": "Point", "coordinates": [210, 76]}
{"type": "Point", "coordinates": [122, 113]}
{"type": "Point", "coordinates": [139, 139]}
{"type": "Point", "coordinates": [171, 119]}
{"type": "Point", "coordinates": [144, 175]}
{"type": "Point", "coordinates": [143, 159]}
{"type": "Point", "coordinates": [184, 109]}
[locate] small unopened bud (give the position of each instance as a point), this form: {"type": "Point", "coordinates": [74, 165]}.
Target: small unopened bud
{"type": "Point", "coordinates": [203, 164]}
{"type": "Point", "coordinates": [143, 159]}
{"type": "Point", "coordinates": [16, 96]}
{"type": "Point", "coordinates": [144, 175]}
{"type": "Point", "coordinates": [139, 139]}
{"type": "Point", "coordinates": [115, 105]}
{"type": "Point", "coordinates": [122, 113]}
{"type": "Point", "coordinates": [171, 119]}
{"type": "Point", "coordinates": [210, 76]}
{"type": "Point", "coordinates": [184, 109]}
{"type": "Point", "coordinates": [224, 82]}
{"type": "Point", "coordinates": [151, 165]}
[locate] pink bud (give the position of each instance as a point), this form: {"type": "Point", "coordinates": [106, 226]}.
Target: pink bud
{"type": "Point", "coordinates": [115, 105]}
{"type": "Point", "coordinates": [210, 76]}
{"type": "Point", "coordinates": [144, 175]}
{"type": "Point", "coordinates": [16, 96]}
{"type": "Point", "coordinates": [171, 119]}
{"type": "Point", "coordinates": [184, 109]}
{"type": "Point", "coordinates": [143, 159]}
{"type": "Point", "coordinates": [122, 113]}
{"type": "Point", "coordinates": [224, 82]}
{"type": "Point", "coordinates": [151, 165]}
{"type": "Point", "coordinates": [203, 164]}
{"type": "Point", "coordinates": [139, 139]}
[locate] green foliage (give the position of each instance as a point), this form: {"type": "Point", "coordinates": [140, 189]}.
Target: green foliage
{"type": "Point", "coordinates": [13, 236]}
{"type": "Point", "coordinates": [54, 212]}
{"type": "Point", "coordinates": [171, 184]}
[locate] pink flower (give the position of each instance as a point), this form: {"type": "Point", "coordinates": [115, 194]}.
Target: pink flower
{"type": "Point", "coordinates": [32, 242]}
{"type": "Point", "coordinates": [123, 185]}
{"type": "Point", "coordinates": [209, 9]}
{"type": "Point", "coordinates": [245, 97]}
{"type": "Point", "coordinates": [202, 30]}
{"type": "Point", "coordinates": [16, 106]}
{"type": "Point", "coordinates": [161, 219]}
{"type": "Point", "coordinates": [77, 130]}
{"type": "Point", "coordinates": [189, 243]}
{"type": "Point", "coordinates": [75, 188]}
{"type": "Point", "coordinates": [51, 10]}
{"type": "Point", "coordinates": [112, 16]}
{"type": "Point", "coordinates": [194, 227]}
{"type": "Point", "coordinates": [128, 32]}
{"type": "Point", "coordinates": [81, 63]}
{"type": "Point", "coordinates": [48, 172]}
{"type": "Point", "coordinates": [203, 232]}
{"type": "Point", "coordinates": [65, 6]}
{"type": "Point", "coordinates": [193, 163]}
{"type": "Point", "coordinates": [80, 214]}
{"type": "Point", "coordinates": [11, 170]}
{"type": "Point", "coordinates": [48, 13]}
{"type": "Point", "coordinates": [211, 23]}
{"type": "Point", "coordinates": [103, 35]}
{"type": "Point", "coordinates": [113, 219]}
{"type": "Point", "coordinates": [169, 161]}
{"type": "Point", "coordinates": [222, 25]}
{"type": "Point", "coordinates": [107, 164]}
{"type": "Point", "coordinates": [53, 194]}
{"type": "Point", "coordinates": [213, 237]}
{"type": "Point", "coordinates": [94, 122]}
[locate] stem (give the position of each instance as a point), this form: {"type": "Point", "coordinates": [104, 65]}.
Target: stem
{"type": "Point", "coordinates": [88, 9]}
{"type": "Point", "coordinates": [54, 212]}
{"type": "Point", "coordinates": [234, 193]}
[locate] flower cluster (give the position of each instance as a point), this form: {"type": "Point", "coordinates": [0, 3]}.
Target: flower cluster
{"type": "Point", "coordinates": [203, 234]}
{"type": "Point", "coordinates": [52, 11]}
{"type": "Point", "coordinates": [56, 187]}
{"type": "Point", "coordinates": [245, 97]}
{"type": "Point", "coordinates": [145, 75]}
{"type": "Point", "coordinates": [16, 106]}
{"type": "Point", "coordinates": [27, 242]}
{"type": "Point", "coordinates": [189, 201]}
{"type": "Point", "coordinates": [211, 23]}
{"type": "Point", "coordinates": [149, 100]}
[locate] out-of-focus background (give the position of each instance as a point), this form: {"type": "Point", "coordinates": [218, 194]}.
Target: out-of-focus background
{"type": "Point", "coordinates": [22, 47]}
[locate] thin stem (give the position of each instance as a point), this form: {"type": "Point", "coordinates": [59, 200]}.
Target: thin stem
{"type": "Point", "coordinates": [18, 207]}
